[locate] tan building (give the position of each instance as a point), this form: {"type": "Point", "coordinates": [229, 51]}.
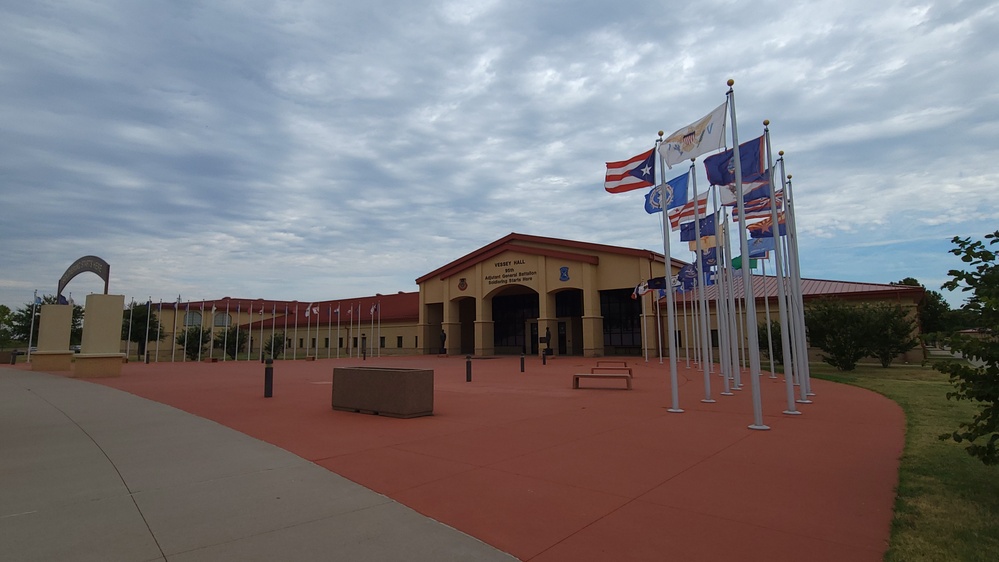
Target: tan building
{"type": "Point", "coordinates": [501, 299]}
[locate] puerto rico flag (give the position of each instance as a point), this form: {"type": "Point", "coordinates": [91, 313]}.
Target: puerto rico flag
{"type": "Point", "coordinates": [634, 173]}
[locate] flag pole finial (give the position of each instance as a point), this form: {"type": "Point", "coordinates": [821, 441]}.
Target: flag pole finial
{"type": "Point", "coordinates": [780, 153]}
{"type": "Point", "coordinates": [730, 82]}
{"type": "Point", "coordinates": [766, 122]}
{"type": "Point", "coordinates": [789, 176]}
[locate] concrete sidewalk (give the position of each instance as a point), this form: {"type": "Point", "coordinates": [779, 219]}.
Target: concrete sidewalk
{"type": "Point", "coordinates": [88, 472]}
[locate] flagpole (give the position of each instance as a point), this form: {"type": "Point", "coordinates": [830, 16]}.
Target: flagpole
{"type": "Point", "coordinates": [176, 312]}
{"type": "Point", "coordinates": [159, 327]}
{"type": "Point", "coordinates": [211, 334]}
{"type": "Point", "coordinates": [766, 306]}
{"type": "Point", "coordinates": [670, 311]}
{"type": "Point", "coordinates": [149, 313]}
{"type": "Point", "coordinates": [273, 326]}
{"type": "Point", "coordinates": [750, 306]}
{"type": "Point", "coordinates": [260, 342]}
{"type": "Point", "coordinates": [128, 340]}
{"type": "Point", "coordinates": [337, 330]}
{"type": "Point", "coordinates": [781, 297]}
{"type": "Point", "coordinates": [702, 305]}
{"type": "Point", "coordinates": [803, 369]}
{"type": "Point", "coordinates": [294, 340]}
{"type": "Point", "coordinates": [284, 344]}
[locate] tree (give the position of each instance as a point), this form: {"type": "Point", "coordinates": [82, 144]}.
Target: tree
{"type": "Point", "coordinates": [278, 345]}
{"type": "Point", "coordinates": [232, 341]}
{"type": "Point", "coordinates": [21, 325]}
{"type": "Point", "coordinates": [193, 341]}
{"type": "Point", "coordinates": [135, 330]}
{"type": "Point", "coordinates": [891, 332]}
{"type": "Point", "coordinates": [932, 311]}
{"type": "Point", "coordinates": [775, 336]}
{"type": "Point", "coordinates": [6, 333]}
{"type": "Point", "coordinates": [840, 330]}
{"type": "Point", "coordinates": [977, 381]}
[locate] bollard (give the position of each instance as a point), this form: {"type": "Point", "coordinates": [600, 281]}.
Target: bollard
{"type": "Point", "coordinates": [364, 354]}
{"type": "Point", "coordinates": [521, 362]}
{"type": "Point", "coordinates": [13, 357]}
{"type": "Point", "coordinates": [544, 358]}
{"type": "Point", "coordinates": [147, 358]}
{"type": "Point", "coordinates": [269, 378]}
{"type": "Point", "coordinates": [468, 368]}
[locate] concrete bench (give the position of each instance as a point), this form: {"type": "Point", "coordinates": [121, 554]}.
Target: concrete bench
{"type": "Point", "coordinates": [625, 376]}
{"type": "Point", "coordinates": [621, 370]}
{"type": "Point", "coordinates": [612, 363]}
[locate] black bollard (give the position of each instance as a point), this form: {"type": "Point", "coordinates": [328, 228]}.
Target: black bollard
{"type": "Point", "coordinates": [468, 368]}
{"type": "Point", "coordinates": [269, 378]}
{"type": "Point", "coordinates": [147, 358]}
{"type": "Point", "coordinates": [544, 358]}
{"type": "Point", "coordinates": [521, 362]}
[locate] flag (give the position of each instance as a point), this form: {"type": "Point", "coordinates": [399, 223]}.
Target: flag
{"type": "Point", "coordinates": [709, 257]}
{"type": "Point", "coordinates": [657, 283]}
{"type": "Point", "coordinates": [687, 276]}
{"type": "Point", "coordinates": [737, 263]}
{"type": "Point", "coordinates": [62, 300]}
{"type": "Point", "coordinates": [764, 228]}
{"type": "Point", "coordinates": [374, 307]}
{"type": "Point", "coordinates": [756, 186]}
{"type": "Point", "coordinates": [38, 299]}
{"type": "Point", "coordinates": [308, 310]}
{"type": "Point", "coordinates": [688, 231]}
{"type": "Point", "coordinates": [758, 247]}
{"type": "Point", "coordinates": [337, 311]}
{"type": "Point", "coordinates": [675, 195]}
{"type": "Point", "coordinates": [640, 290]}
{"type": "Point", "coordinates": [721, 169]}
{"type": "Point", "coordinates": [701, 136]}
{"type": "Point", "coordinates": [758, 208]}
{"type": "Point", "coordinates": [689, 210]}
{"type": "Point", "coordinates": [635, 173]}
{"type": "Point", "coordinates": [715, 239]}
{"type": "Point", "coordinates": [315, 310]}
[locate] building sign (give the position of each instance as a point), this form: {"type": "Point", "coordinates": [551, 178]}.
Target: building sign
{"type": "Point", "coordinates": [505, 272]}
{"type": "Point", "coordinates": [92, 264]}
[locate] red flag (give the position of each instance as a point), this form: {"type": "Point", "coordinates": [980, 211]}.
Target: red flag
{"type": "Point", "coordinates": [634, 173]}
{"type": "Point", "coordinates": [686, 213]}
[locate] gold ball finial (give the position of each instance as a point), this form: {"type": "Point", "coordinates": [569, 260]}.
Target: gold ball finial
{"type": "Point", "coordinates": [660, 133]}
{"type": "Point", "coordinates": [766, 122]}
{"type": "Point", "coordinates": [780, 153]}
{"type": "Point", "coordinates": [789, 176]}
{"type": "Point", "coordinates": [730, 82]}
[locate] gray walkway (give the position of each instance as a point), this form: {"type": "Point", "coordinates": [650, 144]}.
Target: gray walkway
{"type": "Point", "coordinates": [92, 473]}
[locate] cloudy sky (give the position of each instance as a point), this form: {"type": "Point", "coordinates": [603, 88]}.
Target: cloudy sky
{"type": "Point", "coordinates": [325, 149]}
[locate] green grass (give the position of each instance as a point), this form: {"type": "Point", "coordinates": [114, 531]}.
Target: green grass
{"type": "Point", "coordinates": [947, 503]}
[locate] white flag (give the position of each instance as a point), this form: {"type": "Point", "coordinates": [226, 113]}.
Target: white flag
{"type": "Point", "coordinates": [700, 137]}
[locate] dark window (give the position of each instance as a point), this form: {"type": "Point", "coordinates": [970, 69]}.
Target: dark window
{"type": "Point", "coordinates": [622, 320]}
{"type": "Point", "coordinates": [398, 341]}
{"type": "Point", "coordinates": [510, 316]}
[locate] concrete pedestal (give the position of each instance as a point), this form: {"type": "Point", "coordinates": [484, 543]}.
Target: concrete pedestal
{"type": "Point", "coordinates": [96, 365]}
{"type": "Point", "coordinates": [399, 393]}
{"type": "Point", "coordinates": [50, 361]}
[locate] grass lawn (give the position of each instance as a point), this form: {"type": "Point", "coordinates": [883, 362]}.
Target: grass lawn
{"type": "Point", "coordinates": [947, 507]}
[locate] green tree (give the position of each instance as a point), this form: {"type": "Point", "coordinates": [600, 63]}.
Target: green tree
{"type": "Point", "coordinates": [232, 341]}
{"type": "Point", "coordinates": [978, 379]}
{"type": "Point", "coordinates": [891, 332]}
{"type": "Point", "coordinates": [775, 336]}
{"type": "Point", "coordinates": [6, 332]}
{"type": "Point", "coordinates": [133, 327]}
{"type": "Point", "coordinates": [840, 330]}
{"type": "Point", "coordinates": [278, 345]}
{"type": "Point", "coordinates": [932, 311]}
{"type": "Point", "coordinates": [21, 329]}
{"type": "Point", "coordinates": [193, 341]}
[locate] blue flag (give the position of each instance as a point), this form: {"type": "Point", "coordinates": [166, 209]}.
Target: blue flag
{"type": "Point", "coordinates": [721, 167]}
{"type": "Point", "coordinates": [687, 276]}
{"type": "Point", "coordinates": [676, 195]}
{"type": "Point", "coordinates": [709, 257]}
{"type": "Point", "coordinates": [764, 228]}
{"type": "Point", "coordinates": [758, 247]}
{"type": "Point", "coordinates": [688, 232]}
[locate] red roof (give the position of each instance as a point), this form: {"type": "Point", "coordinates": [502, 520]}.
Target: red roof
{"type": "Point", "coordinates": [814, 288]}
{"type": "Point", "coordinates": [396, 307]}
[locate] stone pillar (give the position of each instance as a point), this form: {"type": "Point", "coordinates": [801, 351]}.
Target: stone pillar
{"type": "Point", "coordinates": [100, 355]}
{"type": "Point", "coordinates": [54, 327]}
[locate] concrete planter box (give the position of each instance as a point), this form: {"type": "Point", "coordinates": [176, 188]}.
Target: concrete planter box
{"type": "Point", "coordinates": [399, 393]}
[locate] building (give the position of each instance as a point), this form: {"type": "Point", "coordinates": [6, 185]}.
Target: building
{"type": "Point", "coordinates": [521, 294]}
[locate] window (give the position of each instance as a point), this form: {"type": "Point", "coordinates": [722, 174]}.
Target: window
{"type": "Point", "coordinates": [398, 341]}
{"type": "Point", "coordinates": [192, 319]}
{"type": "Point", "coordinates": [714, 338]}
{"type": "Point", "coordinates": [381, 341]}
{"type": "Point", "coordinates": [222, 320]}
{"type": "Point", "coordinates": [327, 344]}
{"type": "Point", "coordinates": [622, 318]}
